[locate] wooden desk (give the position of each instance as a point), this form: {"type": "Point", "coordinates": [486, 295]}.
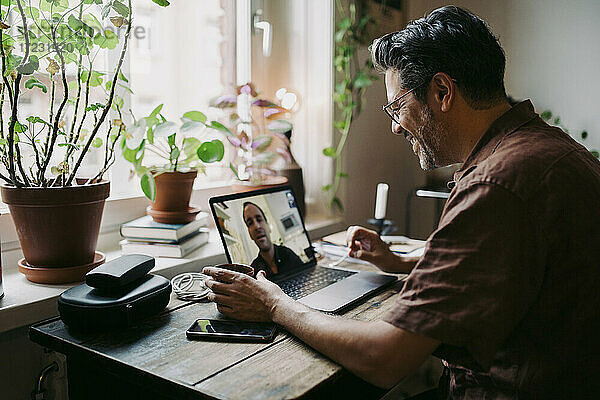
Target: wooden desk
{"type": "Point", "coordinates": [155, 360]}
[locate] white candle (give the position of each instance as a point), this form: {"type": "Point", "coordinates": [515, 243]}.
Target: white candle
{"type": "Point", "coordinates": [381, 200]}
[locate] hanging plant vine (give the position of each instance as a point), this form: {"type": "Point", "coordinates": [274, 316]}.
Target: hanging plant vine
{"type": "Point", "coordinates": [352, 79]}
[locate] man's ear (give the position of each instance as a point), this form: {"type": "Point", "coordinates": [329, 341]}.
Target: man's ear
{"type": "Point", "coordinates": [444, 90]}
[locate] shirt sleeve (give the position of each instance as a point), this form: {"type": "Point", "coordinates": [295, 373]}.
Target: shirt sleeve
{"type": "Point", "coordinates": [477, 277]}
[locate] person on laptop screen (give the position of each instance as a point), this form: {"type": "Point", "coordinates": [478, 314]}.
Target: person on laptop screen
{"type": "Point", "coordinates": [271, 258]}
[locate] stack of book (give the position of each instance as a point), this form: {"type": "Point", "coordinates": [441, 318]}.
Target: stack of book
{"type": "Point", "coordinates": [145, 236]}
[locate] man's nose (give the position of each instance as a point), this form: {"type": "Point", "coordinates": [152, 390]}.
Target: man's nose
{"type": "Point", "coordinates": [397, 129]}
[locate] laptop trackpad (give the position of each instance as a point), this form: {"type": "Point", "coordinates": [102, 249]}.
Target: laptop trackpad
{"type": "Point", "coordinates": [334, 297]}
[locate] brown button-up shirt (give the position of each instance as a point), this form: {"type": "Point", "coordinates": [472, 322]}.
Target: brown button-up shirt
{"type": "Point", "coordinates": [510, 280]}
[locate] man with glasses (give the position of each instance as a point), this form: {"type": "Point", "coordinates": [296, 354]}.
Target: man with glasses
{"type": "Point", "coordinates": [507, 292]}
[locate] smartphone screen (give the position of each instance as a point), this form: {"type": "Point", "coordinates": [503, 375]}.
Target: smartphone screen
{"type": "Point", "coordinates": [211, 328]}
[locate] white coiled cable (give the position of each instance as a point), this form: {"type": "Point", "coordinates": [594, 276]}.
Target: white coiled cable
{"type": "Point", "coordinates": [190, 286]}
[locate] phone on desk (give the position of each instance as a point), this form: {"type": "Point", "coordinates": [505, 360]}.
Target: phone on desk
{"type": "Point", "coordinates": [232, 330]}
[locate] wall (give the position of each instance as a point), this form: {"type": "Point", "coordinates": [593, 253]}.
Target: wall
{"type": "Point", "coordinates": [552, 51]}
{"type": "Point", "coordinates": [554, 54]}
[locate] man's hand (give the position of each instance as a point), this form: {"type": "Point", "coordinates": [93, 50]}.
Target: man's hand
{"type": "Point", "coordinates": [366, 244]}
{"type": "Point", "coordinates": [242, 297]}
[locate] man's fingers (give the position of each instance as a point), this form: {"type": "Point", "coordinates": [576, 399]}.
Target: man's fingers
{"type": "Point", "coordinates": [220, 299]}
{"type": "Point", "coordinates": [220, 274]}
{"type": "Point", "coordinates": [350, 232]}
{"type": "Point", "coordinates": [224, 309]}
{"type": "Point", "coordinates": [363, 255]}
{"type": "Point", "coordinates": [218, 287]}
{"type": "Point", "coordinates": [261, 276]}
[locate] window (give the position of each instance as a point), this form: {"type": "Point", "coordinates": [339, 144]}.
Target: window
{"type": "Point", "coordinates": [182, 55]}
{"type": "Point", "coordinates": [185, 55]}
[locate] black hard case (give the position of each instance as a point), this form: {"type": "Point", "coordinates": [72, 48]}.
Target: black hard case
{"type": "Point", "coordinates": [86, 307]}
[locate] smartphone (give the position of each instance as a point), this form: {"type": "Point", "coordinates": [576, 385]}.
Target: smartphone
{"type": "Point", "coordinates": [232, 330]}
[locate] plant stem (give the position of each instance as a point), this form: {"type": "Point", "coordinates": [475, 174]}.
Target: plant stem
{"type": "Point", "coordinates": [109, 102]}
{"type": "Point", "coordinates": [78, 97]}
{"type": "Point", "coordinates": [59, 112]}
{"type": "Point", "coordinates": [86, 103]}
{"type": "Point", "coordinates": [13, 121]}
{"type": "Point", "coordinates": [158, 151]}
{"type": "Point", "coordinates": [4, 79]}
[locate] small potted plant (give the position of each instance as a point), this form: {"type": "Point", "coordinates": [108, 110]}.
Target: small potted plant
{"type": "Point", "coordinates": [179, 154]}
{"type": "Point", "coordinates": [48, 50]}
{"type": "Point", "coordinates": [256, 144]}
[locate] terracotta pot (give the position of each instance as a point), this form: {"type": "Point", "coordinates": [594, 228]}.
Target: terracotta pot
{"type": "Point", "coordinates": [173, 190]}
{"type": "Point", "coordinates": [57, 226]}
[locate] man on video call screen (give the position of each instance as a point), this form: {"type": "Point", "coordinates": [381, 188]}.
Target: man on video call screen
{"type": "Point", "coordinates": [265, 231]}
{"type": "Point", "coordinates": [271, 258]}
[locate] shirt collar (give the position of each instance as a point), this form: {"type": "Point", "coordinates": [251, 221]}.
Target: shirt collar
{"type": "Point", "coordinates": [513, 119]}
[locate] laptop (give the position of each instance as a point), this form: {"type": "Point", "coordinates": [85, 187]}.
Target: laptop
{"type": "Point", "coordinates": [264, 228]}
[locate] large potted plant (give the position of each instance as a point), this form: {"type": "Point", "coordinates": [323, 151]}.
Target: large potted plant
{"type": "Point", "coordinates": [48, 52]}
{"type": "Point", "coordinates": [177, 154]}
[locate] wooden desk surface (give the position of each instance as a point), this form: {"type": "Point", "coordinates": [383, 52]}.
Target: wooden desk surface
{"type": "Point", "coordinates": [156, 357]}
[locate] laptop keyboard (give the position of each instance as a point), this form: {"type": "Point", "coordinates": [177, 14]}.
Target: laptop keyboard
{"type": "Point", "coordinates": [310, 281]}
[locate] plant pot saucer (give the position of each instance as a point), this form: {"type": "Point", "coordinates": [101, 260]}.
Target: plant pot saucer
{"type": "Point", "coordinates": [174, 217]}
{"type": "Point", "coordinates": [56, 275]}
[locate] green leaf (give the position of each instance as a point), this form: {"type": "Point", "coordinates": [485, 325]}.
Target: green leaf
{"type": "Point", "coordinates": [107, 41]}
{"type": "Point", "coordinates": [337, 203]}
{"type": "Point", "coordinates": [120, 8]}
{"type": "Point", "coordinates": [134, 156]}
{"type": "Point", "coordinates": [162, 3]}
{"type": "Point", "coordinates": [148, 186]}
{"type": "Point", "coordinates": [261, 142]}
{"type": "Point", "coordinates": [190, 147]}
{"type": "Point", "coordinates": [127, 88]}
{"type": "Point", "coordinates": [190, 126]}
{"type": "Point", "coordinates": [74, 23]}
{"type": "Point", "coordinates": [361, 81]}
{"type": "Point", "coordinates": [92, 21]}
{"type": "Point", "coordinates": [97, 142]}
{"type": "Point", "coordinates": [342, 174]}
{"type": "Point", "coordinates": [546, 115]}
{"type": "Point", "coordinates": [326, 188]}
{"type": "Point", "coordinates": [55, 6]}
{"type": "Point", "coordinates": [557, 120]}
{"type": "Point", "coordinates": [156, 111]}
{"type": "Point", "coordinates": [118, 103]}
{"type": "Point", "coordinates": [32, 82]}
{"type": "Point", "coordinates": [29, 67]}
{"type": "Point", "coordinates": [195, 116]}
{"type": "Point", "coordinates": [219, 127]}
{"type": "Point", "coordinates": [329, 151]}
{"type": "Point", "coordinates": [31, 12]}
{"type": "Point", "coordinates": [33, 120]}
{"type": "Point", "coordinates": [171, 140]}
{"type": "Point", "coordinates": [106, 10]}
{"type": "Point", "coordinates": [95, 78]}
{"type": "Point", "coordinates": [19, 128]}
{"type": "Point", "coordinates": [211, 151]}
{"type": "Point", "coordinates": [165, 129]}
{"type": "Point", "coordinates": [234, 169]}
{"type": "Point", "coordinates": [122, 77]}
{"type": "Point", "coordinates": [595, 153]}
{"type": "Point", "coordinates": [345, 23]}
{"type": "Point", "coordinates": [3, 142]}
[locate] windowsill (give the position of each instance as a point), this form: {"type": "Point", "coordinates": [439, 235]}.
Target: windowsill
{"type": "Point", "coordinates": [25, 302]}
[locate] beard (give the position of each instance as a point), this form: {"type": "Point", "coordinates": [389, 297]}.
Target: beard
{"type": "Point", "coordinates": [429, 138]}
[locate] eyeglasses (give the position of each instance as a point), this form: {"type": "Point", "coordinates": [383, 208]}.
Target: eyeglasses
{"type": "Point", "coordinates": [388, 107]}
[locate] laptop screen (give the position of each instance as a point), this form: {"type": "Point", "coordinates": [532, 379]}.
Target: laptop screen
{"type": "Point", "coordinates": [263, 229]}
